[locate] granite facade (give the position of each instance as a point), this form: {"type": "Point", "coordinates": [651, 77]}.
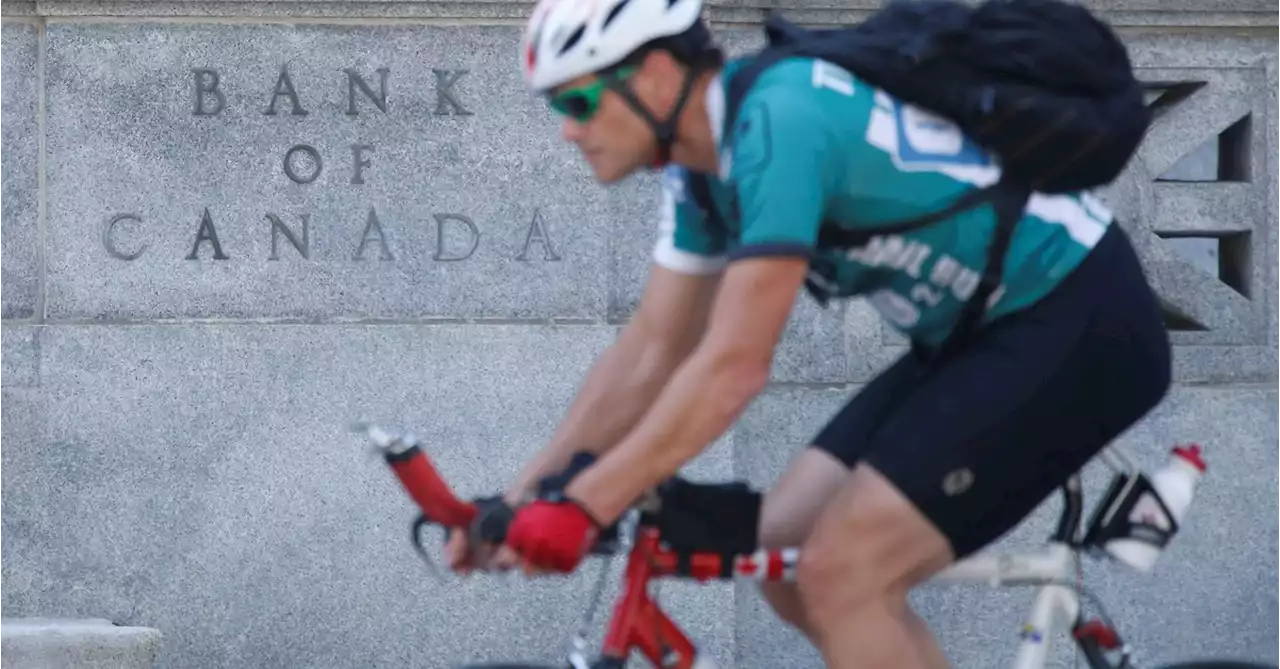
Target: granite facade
{"type": "Point", "coordinates": [224, 240]}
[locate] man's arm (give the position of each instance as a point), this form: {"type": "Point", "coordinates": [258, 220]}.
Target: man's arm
{"type": "Point", "coordinates": [787, 162]}
{"type": "Point", "coordinates": [729, 367]}
{"type": "Point", "coordinates": [669, 321]}
{"type": "Point", "coordinates": [626, 378]}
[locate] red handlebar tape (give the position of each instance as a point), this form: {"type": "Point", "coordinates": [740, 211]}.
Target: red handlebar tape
{"type": "Point", "coordinates": [428, 490]}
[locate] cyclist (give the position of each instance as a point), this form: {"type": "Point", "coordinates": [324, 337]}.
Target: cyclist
{"type": "Point", "coordinates": [929, 462]}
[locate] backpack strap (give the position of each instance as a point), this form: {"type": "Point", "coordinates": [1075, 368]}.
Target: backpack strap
{"type": "Point", "coordinates": [700, 191]}
{"type": "Point", "coordinates": [1006, 197]}
{"type": "Point", "coordinates": [1009, 201]}
{"type": "Point", "coordinates": [737, 89]}
{"type": "Point", "coordinates": [741, 82]}
{"type": "Point", "coordinates": [746, 76]}
{"type": "Point", "coordinates": [831, 235]}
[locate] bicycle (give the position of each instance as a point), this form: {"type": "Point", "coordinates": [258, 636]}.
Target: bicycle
{"type": "Point", "coordinates": [638, 622]}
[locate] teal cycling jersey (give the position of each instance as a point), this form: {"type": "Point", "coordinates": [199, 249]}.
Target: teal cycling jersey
{"type": "Point", "coordinates": [814, 145]}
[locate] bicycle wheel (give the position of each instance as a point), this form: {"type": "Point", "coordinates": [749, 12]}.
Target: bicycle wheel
{"type": "Point", "coordinates": [1218, 664]}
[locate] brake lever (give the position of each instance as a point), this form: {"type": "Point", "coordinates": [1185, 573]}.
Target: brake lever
{"type": "Point", "coordinates": [381, 443]}
{"type": "Point", "coordinates": [423, 521]}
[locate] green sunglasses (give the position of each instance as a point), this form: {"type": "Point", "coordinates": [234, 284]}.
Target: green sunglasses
{"type": "Point", "coordinates": [582, 102]}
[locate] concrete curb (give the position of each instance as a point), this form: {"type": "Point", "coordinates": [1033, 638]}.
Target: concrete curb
{"type": "Point", "coordinates": [87, 643]}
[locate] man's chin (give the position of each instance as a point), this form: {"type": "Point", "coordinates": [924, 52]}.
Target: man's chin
{"type": "Point", "coordinates": [609, 175]}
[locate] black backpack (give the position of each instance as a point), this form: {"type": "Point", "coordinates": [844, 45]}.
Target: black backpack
{"type": "Point", "coordinates": [1042, 84]}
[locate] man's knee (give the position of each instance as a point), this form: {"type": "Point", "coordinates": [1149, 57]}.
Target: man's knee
{"type": "Point", "coordinates": [827, 580]}
{"type": "Point", "coordinates": [868, 549]}
{"type": "Point", "coordinates": [787, 515]}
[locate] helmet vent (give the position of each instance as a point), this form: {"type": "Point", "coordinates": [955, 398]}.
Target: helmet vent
{"type": "Point", "coordinates": [573, 39]}
{"type": "Point", "coordinates": [613, 13]}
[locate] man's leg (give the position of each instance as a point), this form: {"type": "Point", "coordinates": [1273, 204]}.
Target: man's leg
{"type": "Point", "coordinates": [923, 640]}
{"type": "Point", "coordinates": [792, 507]}
{"type": "Point", "coordinates": [787, 516]}
{"type": "Point", "coordinates": [869, 547]}
{"type": "Point", "coordinates": [973, 448]}
{"type": "Point", "coordinates": [810, 485]}
{"type": "Point", "coordinates": [789, 513]}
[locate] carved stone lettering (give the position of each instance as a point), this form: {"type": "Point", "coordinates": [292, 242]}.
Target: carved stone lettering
{"type": "Point", "coordinates": [445, 81]}
{"type": "Point", "coordinates": [371, 226]}
{"type": "Point", "coordinates": [457, 238]}
{"type": "Point", "coordinates": [440, 227]}
{"type": "Point", "coordinates": [284, 86]}
{"type": "Point", "coordinates": [109, 242]}
{"type": "Point", "coordinates": [206, 83]}
{"type": "Point", "coordinates": [354, 79]}
{"type": "Point", "coordinates": [359, 162]}
{"type": "Point", "coordinates": [278, 227]}
{"type": "Point", "coordinates": [538, 233]}
{"type": "Point", "coordinates": [311, 153]}
{"type": "Point", "coordinates": [206, 233]}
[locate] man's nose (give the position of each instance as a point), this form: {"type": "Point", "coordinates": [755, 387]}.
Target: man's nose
{"type": "Point", "coordinates": [571, 130]}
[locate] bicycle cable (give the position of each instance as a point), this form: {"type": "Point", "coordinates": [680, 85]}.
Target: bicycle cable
{"type": "Point", "coordinates": [578, 645]}
{"type": "Point", "coordinates": [1127, 652]}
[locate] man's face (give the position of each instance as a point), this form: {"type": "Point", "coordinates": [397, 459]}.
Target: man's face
{"type": "Point", "coordinates": [614, 140]}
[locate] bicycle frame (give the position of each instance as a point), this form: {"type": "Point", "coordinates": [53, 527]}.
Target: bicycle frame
{"type": "Point", "coordinates": [1055, 608]}
{"type": "Point", "coordinates": [638, 623]}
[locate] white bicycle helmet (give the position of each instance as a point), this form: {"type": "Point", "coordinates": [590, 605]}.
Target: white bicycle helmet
{"type": "Point", "coordinates": [566, 39]}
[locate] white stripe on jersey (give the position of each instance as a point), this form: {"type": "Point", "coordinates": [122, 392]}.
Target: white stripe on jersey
{"type": "Point", "coordinates": [665, 252]}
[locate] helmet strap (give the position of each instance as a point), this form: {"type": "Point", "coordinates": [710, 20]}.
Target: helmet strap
{"type": "Point", "coordinates": [664, 131]}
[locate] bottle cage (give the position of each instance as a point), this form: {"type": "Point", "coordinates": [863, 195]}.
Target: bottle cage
{"type": "Point", "coordinates": [1131, 509]}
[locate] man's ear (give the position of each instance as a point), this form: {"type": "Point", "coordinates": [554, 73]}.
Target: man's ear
{"type": "Point", "coordinates": [658, 78]}
{"type": "Point", "coordinates": [662, 62]}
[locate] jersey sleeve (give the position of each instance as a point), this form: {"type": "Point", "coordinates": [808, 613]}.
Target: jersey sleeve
{"type": "Point", "coordinates": [686, 243]}
{"type": "Point", "coordinates": [785, 167]}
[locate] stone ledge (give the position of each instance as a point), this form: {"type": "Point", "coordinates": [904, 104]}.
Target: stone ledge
{"type": "Point", "coordinates": [1123, 13]}
{"type": "Point", "coordinates": [85, 643]}
{"type": "Point", "coordinates": [10, 8]}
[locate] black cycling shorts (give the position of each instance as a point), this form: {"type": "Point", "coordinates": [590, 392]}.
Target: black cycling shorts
{"type": "Point", "coordinates": [979, 441]}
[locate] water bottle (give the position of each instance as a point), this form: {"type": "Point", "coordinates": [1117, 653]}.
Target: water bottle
{"type": "Point", "coordinates": [1156, 513]}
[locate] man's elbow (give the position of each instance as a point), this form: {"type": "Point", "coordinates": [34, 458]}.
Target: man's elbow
{"type": "Point", "coordinates": [653, 353]}
{"type": "Point", "coordinates": [645, 362]}
{"type": "Point", "coordinates": [657, 361]}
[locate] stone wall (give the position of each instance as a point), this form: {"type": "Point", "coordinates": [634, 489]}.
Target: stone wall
{"type": "Point", "coordinates": [232, 227]}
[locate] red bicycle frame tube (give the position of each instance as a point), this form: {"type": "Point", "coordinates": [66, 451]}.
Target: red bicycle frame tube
{"type": "Point", "coordinates": [638, 622]}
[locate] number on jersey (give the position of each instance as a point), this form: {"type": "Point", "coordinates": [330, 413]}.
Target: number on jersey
{"type": "Point", "coordinates": [920, 141]}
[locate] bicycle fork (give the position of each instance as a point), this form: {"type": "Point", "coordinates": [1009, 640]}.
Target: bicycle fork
{"type": "Point", "coordinates": [638, 622]}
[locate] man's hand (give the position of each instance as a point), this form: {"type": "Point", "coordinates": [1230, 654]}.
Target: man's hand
{"type": "Point", "coordinates": [467, 555]}
{"type": "Point", "coordinates": [552, 536]}
{"type": "Point", "coordinates": [481, 546]}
